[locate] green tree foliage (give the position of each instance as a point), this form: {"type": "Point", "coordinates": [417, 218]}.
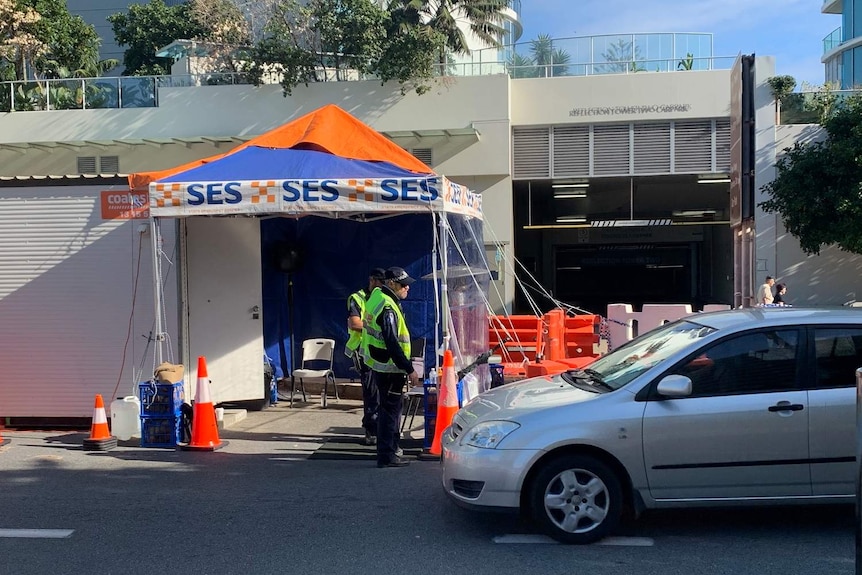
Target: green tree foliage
{"type": "Point", "coordinates": [39, 37]}
{"type": "Point", "coordinates": [222, 22]}
{"type": "Point", "coordinates": [781, 87]}
{"type": "Point", "coordinates": [322, 40]}
{"type": "Point", "coordinates": [148, 27]}
{"type": "Point", "coordinates": [72, 43]}
{"type": "Point", "coordinates": [410, 52]}
{"type": "Point", "coordinates": [300, 41]}
{"type": "Point", "coordinates": [686, 63]}
{"type": "Point", "coordinates": [818, 189]}
{"type": "Point", "coordinates": [521, 66]}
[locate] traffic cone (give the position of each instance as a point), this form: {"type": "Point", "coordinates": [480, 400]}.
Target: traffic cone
{"type": "Point", "coordinates": [100, 436]}
{"type": "Point", "coordinates": [204, 425]}
{"type": "Point", "coordinates": [447, 402]}
{"type": "Point", "coordinates": [3, 441]}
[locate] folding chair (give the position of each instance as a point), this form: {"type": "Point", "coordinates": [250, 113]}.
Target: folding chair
{"type": "Point", "coordinates": [317, 357]}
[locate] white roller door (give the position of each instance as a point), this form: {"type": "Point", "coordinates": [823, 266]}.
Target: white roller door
{"type": "Point", "coordinates": [76, 301]}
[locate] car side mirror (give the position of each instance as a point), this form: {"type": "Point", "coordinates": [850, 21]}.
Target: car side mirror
{"type": "Point", "coordinates": [674, 386]}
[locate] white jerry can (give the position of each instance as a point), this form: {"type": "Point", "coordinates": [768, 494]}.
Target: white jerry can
{"type": "Point", "coordinates": [126, 417]}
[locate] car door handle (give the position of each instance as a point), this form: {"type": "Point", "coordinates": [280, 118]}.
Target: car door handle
{"type": "Point", "coordinates": [787, 407]}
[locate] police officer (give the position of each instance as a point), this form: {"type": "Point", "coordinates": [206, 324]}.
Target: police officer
{"type": "Point", "coordinates": [355, 309]}
{"type": "Point", "coordinates": [386, 351]}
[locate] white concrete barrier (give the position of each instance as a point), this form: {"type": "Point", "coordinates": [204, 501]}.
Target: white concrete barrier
{"type": "Point", "coordinates": [625, 324]}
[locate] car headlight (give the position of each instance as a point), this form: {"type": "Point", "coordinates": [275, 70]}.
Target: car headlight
{"type": "Point", "coordinates": [489, 434]}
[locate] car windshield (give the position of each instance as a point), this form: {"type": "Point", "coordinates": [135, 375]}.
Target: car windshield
{"type": "Point", "coordinates": [622, 365]}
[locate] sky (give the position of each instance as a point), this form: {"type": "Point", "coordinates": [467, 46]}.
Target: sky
{"type": "Point", "coordinates": [790, 30]}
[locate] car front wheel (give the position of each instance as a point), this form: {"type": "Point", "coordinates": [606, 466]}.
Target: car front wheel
{"type": "Point", "coordinates": [576, 499]}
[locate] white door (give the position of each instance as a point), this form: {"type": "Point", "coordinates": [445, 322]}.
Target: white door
{"type": "Point", "coordinates": [225, 325]}
{"type": "Point", "coordinates": [744, 430]}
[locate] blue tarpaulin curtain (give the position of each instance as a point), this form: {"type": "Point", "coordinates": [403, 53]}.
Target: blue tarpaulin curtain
{"type": "Point", "coordinates": [336, 256]}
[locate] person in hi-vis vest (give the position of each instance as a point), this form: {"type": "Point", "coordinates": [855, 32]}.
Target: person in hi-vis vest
{"type": "Point", "coordinates": [355, 309]}
{"type": "Point", "coordinates": [386, 352]}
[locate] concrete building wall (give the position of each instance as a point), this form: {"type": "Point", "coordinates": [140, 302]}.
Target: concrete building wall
{"type": "Point", "coordinates": [764, 168]}
{"type": "Point", "coordinates": [621, 98]}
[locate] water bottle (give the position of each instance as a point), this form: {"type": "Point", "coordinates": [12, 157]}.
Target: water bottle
{"type": "Point", "coordinates": [432, 377]}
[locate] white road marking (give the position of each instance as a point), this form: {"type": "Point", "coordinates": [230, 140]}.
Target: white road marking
{"type": "Point", "coordinates": [530, 539]}
{"type": "Point", "coordinates": [627, 541]}
{"type": "Point", "coordinates": [37, 533]}
{"type": "Point", "coordinates": [544, 540]}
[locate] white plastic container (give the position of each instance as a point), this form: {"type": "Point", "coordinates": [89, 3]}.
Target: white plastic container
{"type": "Point", "coordinates": [126, 417]}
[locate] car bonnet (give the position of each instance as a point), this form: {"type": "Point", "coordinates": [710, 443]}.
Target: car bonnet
{"type": "Point", "coordinates": [522, 396]}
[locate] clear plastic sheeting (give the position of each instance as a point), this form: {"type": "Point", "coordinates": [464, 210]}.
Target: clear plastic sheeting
{"type": "Point", "coordinates": [461, 255]}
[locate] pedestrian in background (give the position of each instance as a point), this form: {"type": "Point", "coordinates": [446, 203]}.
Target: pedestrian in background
{"type": "Point", "coordinates": [780, 290]}
{"type": "Point", "coordinates": [355, 311]}
{"type": "Point", "coordinates": [764, 293]}
{"type": "Point", "coordinates": [386, 351]}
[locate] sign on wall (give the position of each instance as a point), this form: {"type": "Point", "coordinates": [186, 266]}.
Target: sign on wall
{"type": "Point", "coordinates": [125, 205]}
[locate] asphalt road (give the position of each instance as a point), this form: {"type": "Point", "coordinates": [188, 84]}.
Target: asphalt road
{"type": "Point", "coordinates": [261, 506]}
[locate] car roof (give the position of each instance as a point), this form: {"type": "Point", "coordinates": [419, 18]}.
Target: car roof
{"type": "Point", "coordinates": [752, 316]}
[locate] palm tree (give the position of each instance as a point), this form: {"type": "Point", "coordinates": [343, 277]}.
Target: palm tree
{"type": "Point", "coordinates": [521, 66]}
{"type": "Point", "coordinates": [542, 51]}
{"type": "Point", "coordinates": [484, 19]}
{"type": "Point", "coordinates": [561, 60]}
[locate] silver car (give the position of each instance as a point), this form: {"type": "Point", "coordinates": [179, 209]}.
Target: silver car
{"type": "Point", "coordinates": [751, 406]}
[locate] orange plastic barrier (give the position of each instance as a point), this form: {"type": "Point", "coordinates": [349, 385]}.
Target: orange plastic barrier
{"type": "Point", "coordinates": [524, 333]}
{"type": "Point", "coordinates": [546, 367]}
{"type": "Point", "coordinates": [582, 335]}
{"type": "Point", "coordinates": [555, 337]}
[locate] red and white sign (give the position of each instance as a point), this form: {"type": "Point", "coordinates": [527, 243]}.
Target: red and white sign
{"type": "Point", "coordinates": [125, 205]}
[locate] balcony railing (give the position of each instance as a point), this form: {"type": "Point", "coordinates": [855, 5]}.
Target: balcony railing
{"type": "Point", "coordinates": [833, 40]}
{"type": "Point", "coordinates": [100, 93]}
{"type": "Point", "coordinates": [143, 91]}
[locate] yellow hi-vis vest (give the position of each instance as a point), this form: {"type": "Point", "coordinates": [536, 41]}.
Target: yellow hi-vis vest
{"type": "Point", "coordinates": [355, 339]}
{"type": "Point", "coordinates": [374, 351]}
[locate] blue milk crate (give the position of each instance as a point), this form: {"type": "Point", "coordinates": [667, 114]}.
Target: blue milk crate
{"type": "Point", "coordinates": [160, 399]}
{"type": "Point", "coordinates": [161, 431]}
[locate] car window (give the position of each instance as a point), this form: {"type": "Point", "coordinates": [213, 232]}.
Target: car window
{"type": "Point", "coordinates": [758, 362]}
{"type": "Point", "coordinates": [838, 353]}
{"type": "Point", "coordinates": [625, 363]}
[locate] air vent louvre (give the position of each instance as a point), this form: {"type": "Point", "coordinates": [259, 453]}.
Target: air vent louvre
{"type": "Point", "coordinates": [86, 165]}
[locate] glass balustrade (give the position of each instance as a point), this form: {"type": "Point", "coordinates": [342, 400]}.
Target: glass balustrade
{"type": "Point", "coordinates": [808, 107]}
{"type": "Point", "coordinates": [577, 56]}
{"type": "Point", "coordinates": [833, 40]}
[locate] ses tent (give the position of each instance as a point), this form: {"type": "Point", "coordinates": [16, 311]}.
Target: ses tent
{"type": "Point", "coordinates": [275, 235]}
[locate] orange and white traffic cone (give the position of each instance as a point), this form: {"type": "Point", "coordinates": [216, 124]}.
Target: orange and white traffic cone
{"type": "Point", "coordinates": [204, 425]}
{"type": "Point", "coordinates": [100, 436]}
{"type": "Point", "coordinates": [3, 441]}
{"type": "Point", "coordinates": [447, 402]}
